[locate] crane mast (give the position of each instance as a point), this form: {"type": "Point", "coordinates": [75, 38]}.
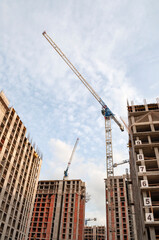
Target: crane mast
{"type": "Point", "coordinates": [70, 160]}
{"type": "Point", "coordinates": [108, 115]}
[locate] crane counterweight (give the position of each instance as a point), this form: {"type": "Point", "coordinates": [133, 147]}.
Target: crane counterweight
{"type": "Point", "coordinates": [120, 163]}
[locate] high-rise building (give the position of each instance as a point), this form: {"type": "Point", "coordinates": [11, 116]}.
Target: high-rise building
{"type": "Point", "coordinates": [19, 172]}
{"type": "Point", "coordinates": [59, 210]}
{"type": "Point", "coordinates": [94, 233]}
{"type": "Point", "coordinates": [122, 202]}
{"type": "Point", "coordinates": [144, 167]}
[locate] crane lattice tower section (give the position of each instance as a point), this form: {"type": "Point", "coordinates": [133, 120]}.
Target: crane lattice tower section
{"type": "Point", "coordinates": [19, 172]}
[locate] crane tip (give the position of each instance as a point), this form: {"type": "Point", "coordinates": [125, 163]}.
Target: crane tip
{"type": "Point", "coordinates": [44, 33]}
{"type": "Point", "coordinates": [122, 128]}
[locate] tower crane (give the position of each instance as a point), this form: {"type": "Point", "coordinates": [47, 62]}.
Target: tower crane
{"type": "Point", "coordinates": [90, 219]}
{"type": "Point", "coordinates": [70, 160]}
{"type": "Point", "coordinates": [120, 163]}
{"type": "Point", "coordinates": [108, 115]}
{"type": "Point", "coordinates": [63, 187]}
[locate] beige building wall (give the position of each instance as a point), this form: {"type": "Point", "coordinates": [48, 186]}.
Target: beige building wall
{"type": "Point", "coordinates": [19, 172]}
{"type": "Point", "coordinates": [144, 166]}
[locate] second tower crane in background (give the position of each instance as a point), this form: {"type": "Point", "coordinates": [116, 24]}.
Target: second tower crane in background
{"type": "Point", "coordinates": [70, 160]}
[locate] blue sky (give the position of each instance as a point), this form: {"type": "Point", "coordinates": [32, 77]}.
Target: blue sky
{"type": "Point", "coordinates": [114, 45]}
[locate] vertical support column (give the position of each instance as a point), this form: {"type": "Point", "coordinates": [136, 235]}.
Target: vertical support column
{"type": "Point", "coordinates": [129, 207]}
{"type": "Point", "coordinates": [152, 233]}
{"type": "Point", "coordinates": [76, 204]}
{"type": "Point", "coordinates": [110, 180]}
{"type": "Point", "coordinates": [94, 233]}
{"type": "Point", "coordinates": [60, 191]}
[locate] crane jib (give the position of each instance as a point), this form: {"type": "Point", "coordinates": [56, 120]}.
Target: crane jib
{"type": "Point", "coordinates": [102, 103]}
{"type": "Point", "coordinates": [105, 110]}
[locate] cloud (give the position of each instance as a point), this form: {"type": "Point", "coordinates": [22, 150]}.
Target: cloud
{"type": "Point", "coordinates": [91, 171]}
{"type": "Point", "coordinates": [113, 44]}
{"type": "Point", "coordinates": [61, 151]}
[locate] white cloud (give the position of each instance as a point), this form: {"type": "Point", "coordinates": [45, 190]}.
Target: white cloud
{"type": "Point", "coordinates": [92, 171]}
{"type": "Point", "coordinates": [114, 45]}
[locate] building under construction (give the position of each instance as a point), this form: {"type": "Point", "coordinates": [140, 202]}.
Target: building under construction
{"type": "Point", "coordinates": [121, 199]}
{"type": "Point", "coordinates": [59, 211]}
{"type": "Point", "coordinates": [19, 172]}
{"type": "Point", "coordinates": [144, 167]}
{"type": "Point", "coordinates": [94, 233]}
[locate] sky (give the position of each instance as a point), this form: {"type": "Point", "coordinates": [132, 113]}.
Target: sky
{"type": "Point", "coordinates": [113, 44]}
